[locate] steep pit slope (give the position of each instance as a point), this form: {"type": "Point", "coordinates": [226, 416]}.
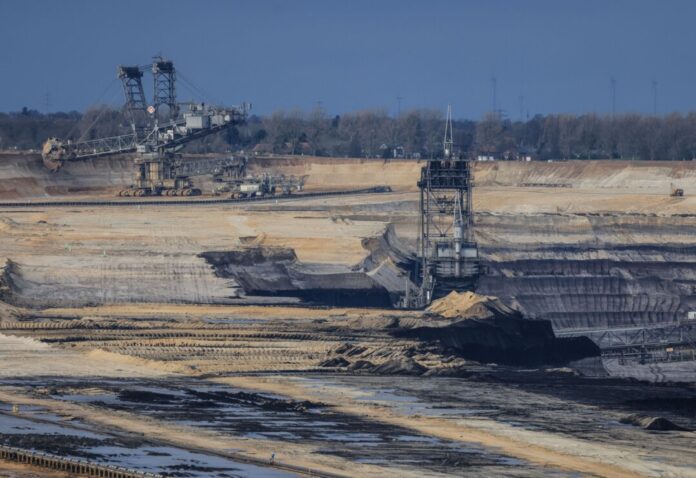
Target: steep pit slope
{"type": "Point", "coordinates": [654, 176]}
{"type": "Point", "coordinates": [482, 328]}
{"type": "Point", "coordinates": [595, 285]}
{"type": "Point", "coordinates": [24, 176]}
{"type": "Point", "coordinates": [278, 273]}
{"type": "Point", "coordinates": [324, 174]}
{"type": "Point", "coordinates": [591, 269]}
{"type": "Point", "coordinates": [378, 281]}
{"type": "Point", "coordinates": [86, 256]}
{"type": "Point", "coordinates": [610, 249]}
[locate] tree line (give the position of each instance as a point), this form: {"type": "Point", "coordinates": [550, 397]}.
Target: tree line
{"type": "Point", "coordinates": [375, 133]}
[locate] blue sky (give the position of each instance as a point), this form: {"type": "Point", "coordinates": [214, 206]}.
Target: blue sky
{"type": "Point", "coordinates": [558, 54]}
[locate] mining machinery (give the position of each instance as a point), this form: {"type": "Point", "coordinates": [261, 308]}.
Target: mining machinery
{"type": "Point", "coordinates": [448, 254]}
{"type": "Point", "coordinates": [265, 184]}
{"type": "Point", "coordinates": [675, 192]}
{"type": "Point", "coordinates": [158, 132]}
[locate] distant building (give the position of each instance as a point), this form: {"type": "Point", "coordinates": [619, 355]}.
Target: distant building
{"type": "Point", "coordinates": [521, 154]}
{"type": "Point", "coordinates": [489, 156]}
{"type": "Point", "coordinates": [526, 154]}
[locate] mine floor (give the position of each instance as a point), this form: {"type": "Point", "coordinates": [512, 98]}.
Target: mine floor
{"type": "Point", "coordinates": [125, 340]}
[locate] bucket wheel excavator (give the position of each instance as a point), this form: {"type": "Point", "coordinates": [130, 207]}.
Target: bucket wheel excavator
{"type": "Point", "coordinates": [158, 132]}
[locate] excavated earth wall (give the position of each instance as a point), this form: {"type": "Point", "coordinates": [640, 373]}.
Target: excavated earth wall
{"type": "Point", "coordinates": [378, 281]}
{"type": "Point", "coordinates": [580, 243]}
{"type": "Point", "coordinates": [617, 272]}
{"type": "Point", "coordinates": [25, 176]}
{"type": "Point", "coordinates": [652, 176]}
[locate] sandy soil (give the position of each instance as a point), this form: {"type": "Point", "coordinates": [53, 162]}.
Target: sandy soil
{"type": "Point", "coordinates": [113, 353]}
{"type": "Point", "coordinates": [16, 470]}
{"type": "Point", "coordinates": [121, 293]}
{"type": "Point", "coordinates": [26, 357]}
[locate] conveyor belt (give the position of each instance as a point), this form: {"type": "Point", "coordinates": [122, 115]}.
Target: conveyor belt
{"type": "Point", "coordinates": [189, 202]}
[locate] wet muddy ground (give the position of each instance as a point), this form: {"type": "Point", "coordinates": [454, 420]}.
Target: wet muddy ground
{"type": "Point", "coordinates": [38, 430]}
{"type": "Point", "coordinates": [602, 253]}
{"type": "Point", "coordinates": [558, 403]}
{"type": "Point", "coordinates": [264, 416]}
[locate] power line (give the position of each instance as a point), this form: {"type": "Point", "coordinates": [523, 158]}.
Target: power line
{"type": "Point", "coordinates": [494, 88]}
{"type": "Point", "coordinates": [101, 97]}
{"type": "Point", "coordinates": [47, 101]}
{"type": "Point", "coordinates": [196, 89]}
{"type": "Point", "coordinates": [612, 83]}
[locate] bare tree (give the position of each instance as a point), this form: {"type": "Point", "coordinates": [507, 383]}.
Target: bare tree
{"type": "Point", "coordinates": [317, 129]}
{"type": "Point", "coordinates": [488, 133]}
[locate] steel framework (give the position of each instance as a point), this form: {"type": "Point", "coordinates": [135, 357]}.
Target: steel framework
{"type": "Point", "coordinates": [164, 77]}
{"type": "Point", "coordinates": [157, 165]}
{"type": "Point", "coordinates": [136, 105]}
{"type": "Point", "coordinates": [448, 253]}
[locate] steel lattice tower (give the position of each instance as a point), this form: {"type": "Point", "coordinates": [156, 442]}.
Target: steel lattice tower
{"type": "Point", "coordinates": [448, 254]}
{"type": "Point", "coordinates": [136, 105]}
{"type": "Point", "coordinates": [164, 76]}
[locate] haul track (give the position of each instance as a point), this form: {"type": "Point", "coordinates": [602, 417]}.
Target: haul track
{"type": "Point", "coordinates": [190, 202]}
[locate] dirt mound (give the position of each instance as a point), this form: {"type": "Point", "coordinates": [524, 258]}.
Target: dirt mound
{"type": "Point", "coordinates": [483, 329]}
{"type": "Point", "coordinates": [651, 423]}
{"type": "Point", "coordinates": [510, 341]}
{"type": "Point", "coordinates": [469, 305]}
{"type": "Point", "coordinates": [400, 366]}
{"type": "Point", "coordinates": [334, 362]}
{"type": "Point", "coordinates": [362, 365]}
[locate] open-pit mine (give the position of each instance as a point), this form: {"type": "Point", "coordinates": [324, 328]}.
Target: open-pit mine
{"type": "Point", "coordinates": [289, 334]}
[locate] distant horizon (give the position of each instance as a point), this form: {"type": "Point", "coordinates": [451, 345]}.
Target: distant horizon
{"type": "Point", "coordinates": [443, 110]}
{"type": "Point", "coordinates": [524, 58]}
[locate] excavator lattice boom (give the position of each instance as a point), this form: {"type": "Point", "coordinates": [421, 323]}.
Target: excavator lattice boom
{"type": "Point", "coordinates": [154, 143]}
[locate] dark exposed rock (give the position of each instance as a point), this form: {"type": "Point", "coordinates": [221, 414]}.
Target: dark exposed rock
{"type": "Point", "coordinates": [505, 341]}
{"type": "Point", "coordinates": [276, 272]}
{"type": "Point", "coordinates": [402, 366]}
{"type": "Point", "coordinates": [248, 257]}
{"type": "Point", "coordinates": [483, 329]}
{"type": "Point", "coordinates": [651, 423]}
{"type": "Point", "coordinates": [197, 399]}
{"type": "Point", "coordinates": [335, 362]}
{"type": "Point", "coordinates": [594, 285]}
{"type": "Point", "coordinates": [343, 348]}
{"type": "Point", "coordinates": [364, 365]}
{"type": "Point", "coordinates": [377, 281]}
{"type": "Point", "coordinates": [132, 395]}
